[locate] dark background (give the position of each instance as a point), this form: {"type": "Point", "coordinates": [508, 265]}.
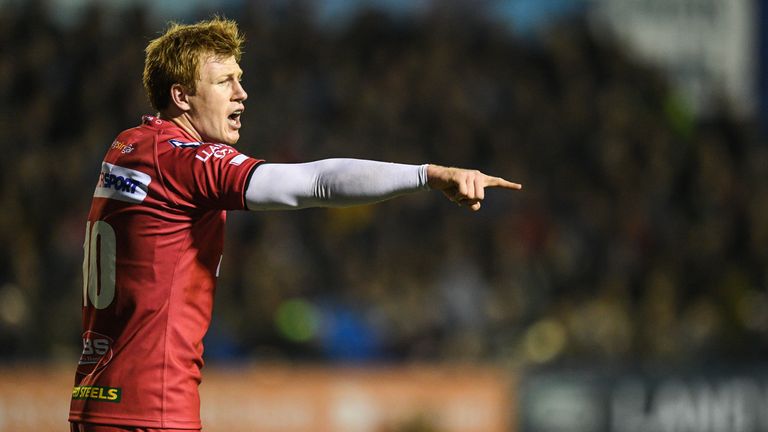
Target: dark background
{"type": "Point", "coordinates": [641, 236]}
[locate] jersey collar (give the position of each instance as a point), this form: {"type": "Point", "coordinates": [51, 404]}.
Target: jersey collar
{"type": "Point", "coordinates": [157, 122]}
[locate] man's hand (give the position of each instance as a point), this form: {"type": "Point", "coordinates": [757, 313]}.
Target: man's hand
{"type": "Point", "coordinates": [464, 187]}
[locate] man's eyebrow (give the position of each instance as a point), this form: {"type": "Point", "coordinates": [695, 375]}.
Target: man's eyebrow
{"type": "Point", "coordinates": [233, 74]}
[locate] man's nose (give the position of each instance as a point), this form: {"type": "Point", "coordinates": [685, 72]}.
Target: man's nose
{"type": "Point", "coordinates": [240, 93]}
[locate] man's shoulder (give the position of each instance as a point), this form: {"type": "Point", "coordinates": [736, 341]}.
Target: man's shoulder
{"type": "Point", "coordinates": [141, 132]}
{"type": "Point", "coordinates": [131, 144]}
{"type": "Point", "coordinates": [162, 136]}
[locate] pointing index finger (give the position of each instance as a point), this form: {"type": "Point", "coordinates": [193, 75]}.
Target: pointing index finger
{"type": "Point", "coordinates": [500, 182]}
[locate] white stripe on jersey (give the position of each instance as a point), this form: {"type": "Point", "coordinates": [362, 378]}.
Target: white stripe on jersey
{"type": "Point", "coordinates": [239, 159]}
{"type": "Point", "coordinates": [122, 184]}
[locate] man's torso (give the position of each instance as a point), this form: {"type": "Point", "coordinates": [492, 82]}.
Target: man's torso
{"type": "Point", "coordinates": [153, 245]}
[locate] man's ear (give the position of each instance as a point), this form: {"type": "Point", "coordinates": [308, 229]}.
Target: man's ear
{"type": "Point", "coordinates": [180, 97]}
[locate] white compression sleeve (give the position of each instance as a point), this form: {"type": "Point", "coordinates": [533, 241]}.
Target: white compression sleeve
{"type": "Point", "coordinates": [331, 183]}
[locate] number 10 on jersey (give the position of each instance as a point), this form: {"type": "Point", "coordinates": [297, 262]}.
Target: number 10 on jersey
{"type": "Point", "coordinates": [99, 251]}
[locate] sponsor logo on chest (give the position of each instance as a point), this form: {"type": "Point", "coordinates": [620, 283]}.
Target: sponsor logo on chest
{"type": "Point", "coordinates": [216, 151]}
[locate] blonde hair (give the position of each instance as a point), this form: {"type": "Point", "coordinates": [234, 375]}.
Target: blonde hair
{"type": "Point", "coordinates": [175, 56]}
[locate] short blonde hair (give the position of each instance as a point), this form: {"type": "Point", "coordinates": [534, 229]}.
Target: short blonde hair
{"type": "Point", "coordinates": [175, 56]}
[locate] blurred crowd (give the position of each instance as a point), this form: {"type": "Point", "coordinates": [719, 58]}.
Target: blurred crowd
{"type": "Point", "coordinates": [641, 234]}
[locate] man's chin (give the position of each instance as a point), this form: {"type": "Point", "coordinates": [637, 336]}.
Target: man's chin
{"type": "Point", "coordinates": [232, 139]}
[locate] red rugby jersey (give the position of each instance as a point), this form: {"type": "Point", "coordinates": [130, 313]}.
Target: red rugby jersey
{"type": "Point", "coordinates": [153, 245]}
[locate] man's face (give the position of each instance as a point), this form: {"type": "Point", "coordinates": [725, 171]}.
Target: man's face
{"type": "Point", "coordinates": [217, 103]}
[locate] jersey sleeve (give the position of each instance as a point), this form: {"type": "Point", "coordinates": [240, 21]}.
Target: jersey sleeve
{"type": "Point", "coordinates": [205, 175]}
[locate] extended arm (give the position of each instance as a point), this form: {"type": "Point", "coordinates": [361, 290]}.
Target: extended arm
{"type": "Point", "coordinates": [331, 183]}
{"type": "Point", "coordinates": [347, 182]}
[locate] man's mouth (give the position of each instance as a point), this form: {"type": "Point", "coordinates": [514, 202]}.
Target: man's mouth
{"type": "Point", "coordinates": [234, 118]}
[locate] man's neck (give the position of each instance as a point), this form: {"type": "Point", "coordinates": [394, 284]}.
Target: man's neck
{"type": "Point", "coordinates": [182, 120]}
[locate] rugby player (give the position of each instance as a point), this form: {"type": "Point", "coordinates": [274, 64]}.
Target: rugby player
{"type": "Point", "coordinates": [155, 231]}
